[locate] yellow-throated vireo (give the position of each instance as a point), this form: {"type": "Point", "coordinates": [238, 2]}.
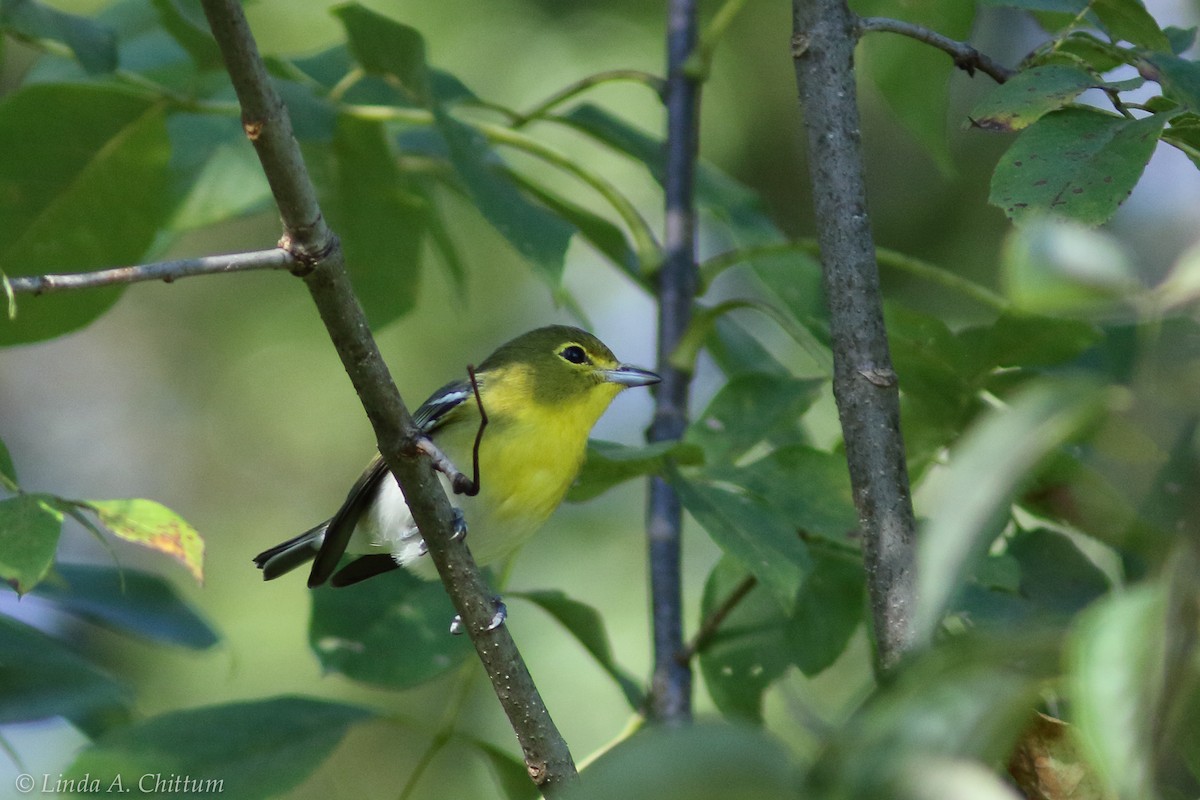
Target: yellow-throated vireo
{"type": "Point", "coordinates": [542, 392]}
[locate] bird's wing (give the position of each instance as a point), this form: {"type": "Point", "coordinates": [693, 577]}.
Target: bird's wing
{"type": "Point", "coordinates": [434, 413]}
{"type": "Point", "coordinates": [341, 525]}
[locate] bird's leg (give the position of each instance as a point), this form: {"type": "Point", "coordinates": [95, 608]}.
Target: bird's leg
{"type": "Point", "coordinates": [459, 482]}
{"type": "Point", "coordinates": [499, 614]}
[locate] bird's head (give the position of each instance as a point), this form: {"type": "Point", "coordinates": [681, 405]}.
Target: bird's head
{"type": "Point", "coordinates": [560, 364]}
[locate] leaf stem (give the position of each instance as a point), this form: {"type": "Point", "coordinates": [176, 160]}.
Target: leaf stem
{"type": "Point", "coordinates": [520, 119]}
{"type": "Point", "coordinates": [712, 623]}
{"type": "Point", "coordinates": [645, 245]}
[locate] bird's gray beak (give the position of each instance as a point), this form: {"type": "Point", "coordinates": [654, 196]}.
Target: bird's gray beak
{"type": "Point", "coordinates": [627, 375]}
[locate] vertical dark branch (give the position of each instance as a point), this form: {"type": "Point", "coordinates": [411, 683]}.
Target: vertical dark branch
{"type": "Point", "coordinates": [864, 383]}
{"type": "Point", "coordinates": [671, 688]}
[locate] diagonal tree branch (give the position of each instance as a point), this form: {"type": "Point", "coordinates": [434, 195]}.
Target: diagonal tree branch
{"type": "Point", "coordinates": [316, 248]}
{"type": "Point", "coordinates": [864, 383]}
{"type": "Point", "coordinates": [670, 699]}
{"type": "Point", "coordinates": [965, 56]}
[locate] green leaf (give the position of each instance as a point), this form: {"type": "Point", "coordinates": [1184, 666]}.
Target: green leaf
{"type": "Point", "coordinates": [152, 525]}
{"type": "Point", "coordinates": [608, 239]}
{"type": "Point", "coordinates": [738, 208]}
{"type": "Point", "coordinates": [224, 182]}
{"type": "Point", "coordinates": [29, 529]}
{"type": "Point", "coordinates": [384, 46]}
{"type": "Point", "coordinates": [1074, 163]}
{"type": "Point", "coordinates": [1021, 339]}
{"type": "Point", "coordinates": [1058, 6]}
{"type": "Point", "coordinates": [381, 218]}
{"type": "Point", "coordinates": [511, 773]}
{"type": "Point", "coordinates": [587, 626]}
{"type": "Point", "coordinates": [1055, 576]}
{"type": "Point", "coordinates": [1128, 20]}
{"type": "Point", "coordinates": [750, 649]}
{"type": "Point", "coordinates": [967, 698]}
{"type": "Point", "coordinates": [1179, 78]}
{"type": "Point", "coordinates": [40, 678]}
{"type": "Point", "coordinates": [130, 601]}
{"type": "Point", "coordinates": [184, 21]}
{"type": "Point", "coordinates": [7, 469]}
{"type": "Point", "coordinates": [750, 408]}
{"type": "Point", "coordinates": [829, 607]}
{"type": "Point", "coordinates": [1181, 39]}
{"type": "Point", "coordinates": [392, 631]}
{"type": "Point", "coordinates": [247, 750]}
{"type": "Point", "coordinates": [609, 464]}
{"type": "Point", "coordinates": [537, 234]}
{"type": "Point", "coordinates": [1115, 656]}
{"type": "Point", "coordinates": [1029, 95]}
{"type": "Point", "coordinates": [95, 45]}
{"type": "Point", "coordinates": [913, 77]}
{"type": "Point", "coordinates": [807, 487]}
{"type": "Point", "coordinates": [764, 540]}
{"type": "Point", "coordinates": [736, 351]}
{"type": "Point", "coordinates": [990, 464]}
{"type": "Point", "coordinates": [1057, 267]}
{"type": "Point", "coordinates": [83, 171]}
{"type": "Point", "coordinates": [693, 762]}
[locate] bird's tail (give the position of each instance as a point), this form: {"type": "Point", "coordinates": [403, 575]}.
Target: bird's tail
{"type": "Point", "coordinates": [286, 556]}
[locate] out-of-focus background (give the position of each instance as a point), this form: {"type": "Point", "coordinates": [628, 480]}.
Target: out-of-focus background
{"type": "Point", "coordinates": [222, 398]}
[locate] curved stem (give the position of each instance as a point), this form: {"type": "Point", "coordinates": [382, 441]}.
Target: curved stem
{"type": "Point", "coordinates": [644, 243]}
{"type": "Point", "coordinates": [886, 257]}
{"type": "Point", "coordinates": [965, 56]}
{"type": "Point", "coordinates": [582, 85]}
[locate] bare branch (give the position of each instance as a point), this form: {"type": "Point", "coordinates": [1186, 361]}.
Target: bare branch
{"type": "Point", "coordinates": [965, 56]}
{"type": "Point", "coordinates": [864, 382]}
{"type": "Point", "coordinates": [167, 271]}
{"type": "Point", "coordinates": [670, 699]}
{"type": "Point", "coordinates": [310, 240]}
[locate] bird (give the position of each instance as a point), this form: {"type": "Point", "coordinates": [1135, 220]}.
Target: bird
{"type": "Point", "coordinates": [540, 395]}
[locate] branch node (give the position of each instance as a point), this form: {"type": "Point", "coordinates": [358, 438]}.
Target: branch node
{"type": "Point", "coordinates": [882, 376]}
{"type": "Point", "coordinates": [800, 43]}
{"type": "Point", "coordinates": [253, 128]}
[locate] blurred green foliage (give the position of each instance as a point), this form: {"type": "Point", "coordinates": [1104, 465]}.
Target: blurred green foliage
{"type": "Point", "coordinates": [1051, 425]}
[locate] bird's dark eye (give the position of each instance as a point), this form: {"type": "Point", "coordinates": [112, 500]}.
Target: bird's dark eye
{"type": "Point", "coordinates": [575, 354]}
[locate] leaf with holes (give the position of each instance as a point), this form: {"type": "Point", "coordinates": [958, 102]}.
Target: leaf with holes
{"type": "Point", "coordinates": [1029, 95]}
{"type": "Point", "coordinates": [1074, 163]}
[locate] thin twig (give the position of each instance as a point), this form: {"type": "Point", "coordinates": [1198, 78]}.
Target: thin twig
{"type": "Point", "coordinates": [712, 623]}
{"type": "Point", "coordinates": [167, 271]}
{"type": "Point", "coordinates": [582, 85]}
{"type": "Point", "coordinates": [670, 699]}
{"type": "Point", "coordinates": [864, 382]}
{"type": "Point", "coordinates": [965, 56]}
{"type": "Point", "coordinates": [306, 235]}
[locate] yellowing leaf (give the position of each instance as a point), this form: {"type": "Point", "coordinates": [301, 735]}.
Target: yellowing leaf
{"type": "Point", "coordinates": [153, 525]}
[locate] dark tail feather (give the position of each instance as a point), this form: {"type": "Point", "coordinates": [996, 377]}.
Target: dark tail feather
{"type": "Point", "coordinates": [362, 568]}
{"type": "Point", "coordinates": [285, 557]}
